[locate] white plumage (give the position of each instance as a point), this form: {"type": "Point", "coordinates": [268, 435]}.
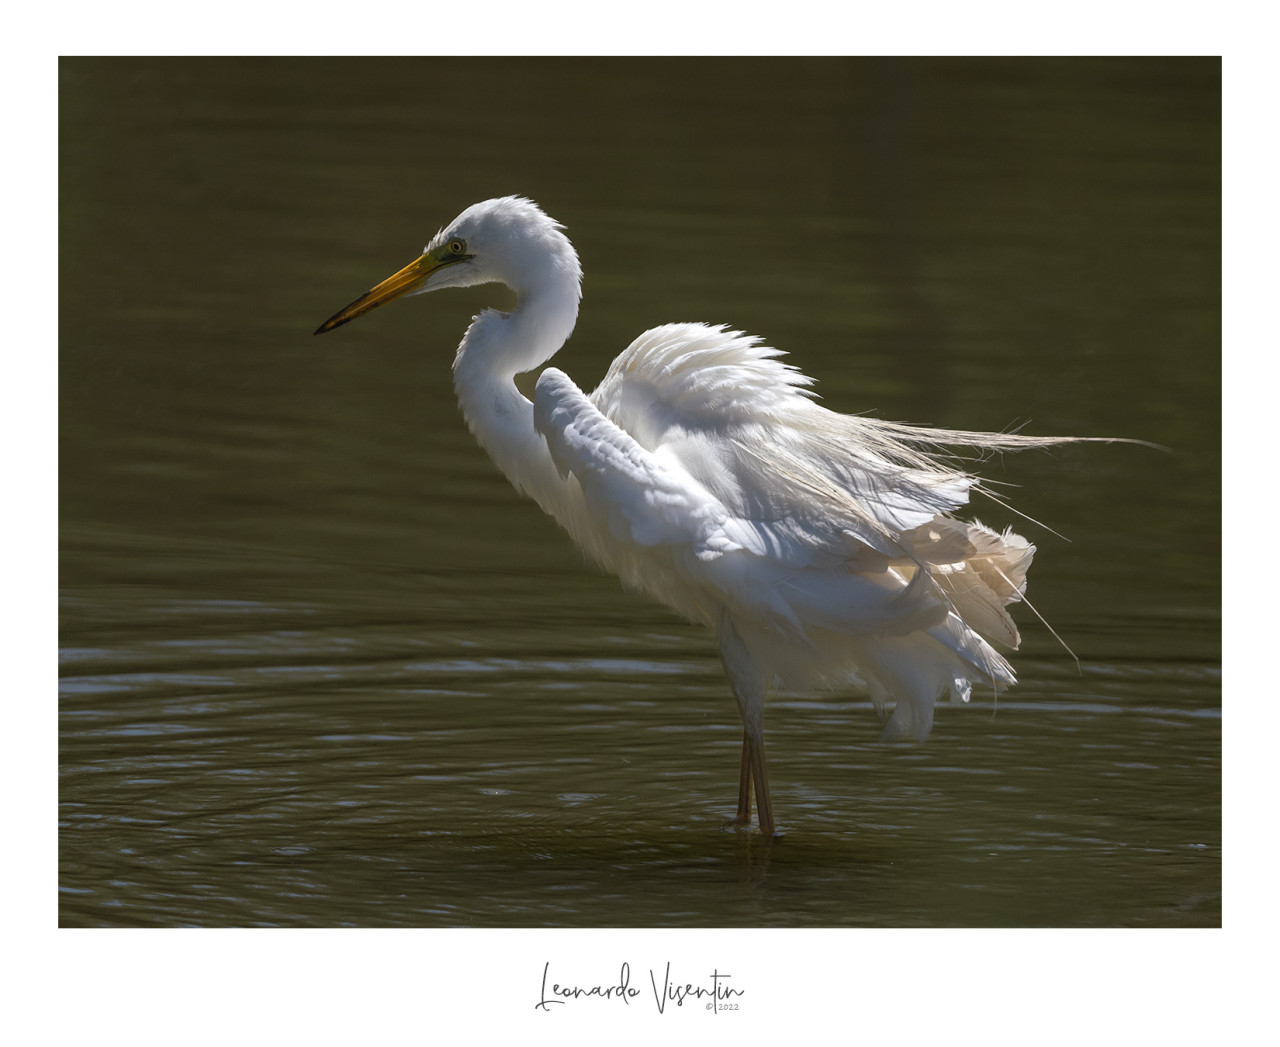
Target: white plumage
{"type": "Point", "coordinates": [819, 547]}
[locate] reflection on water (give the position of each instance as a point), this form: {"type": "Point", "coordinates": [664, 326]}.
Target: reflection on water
{"type": "Point", "coordinates": [320, 665]}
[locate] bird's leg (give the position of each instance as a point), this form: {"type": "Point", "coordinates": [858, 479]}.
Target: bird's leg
{"type": "Point", "coordinates": [764, 802]}
{"type": "Point", "coordinates": [744, 783]}
{"type": "Point", "coordinates": [750, 684]}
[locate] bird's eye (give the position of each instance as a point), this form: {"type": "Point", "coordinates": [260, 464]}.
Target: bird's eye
{"type": "Point", "coordinates": [457, 246]}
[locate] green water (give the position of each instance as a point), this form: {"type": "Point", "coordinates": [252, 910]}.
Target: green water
{"type": "Point", "coordinates": [322, 666]}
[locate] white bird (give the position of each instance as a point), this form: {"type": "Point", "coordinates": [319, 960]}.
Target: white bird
{"type": "Point", "coordinates": [819, 547]}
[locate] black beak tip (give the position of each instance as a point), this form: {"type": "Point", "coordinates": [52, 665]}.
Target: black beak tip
{"type": "Point", "coordinates": [329, 325]}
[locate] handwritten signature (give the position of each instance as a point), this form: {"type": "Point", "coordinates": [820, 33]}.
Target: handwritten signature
{"type": "Point", "coordinates": [718, 993]}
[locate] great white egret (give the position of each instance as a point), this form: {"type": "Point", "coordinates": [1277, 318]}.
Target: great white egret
{"type": "Point", "coordinates": [819, 547]}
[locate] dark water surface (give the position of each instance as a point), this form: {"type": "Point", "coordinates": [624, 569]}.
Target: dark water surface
{"type": "Point", "coordinates": [322, 666]}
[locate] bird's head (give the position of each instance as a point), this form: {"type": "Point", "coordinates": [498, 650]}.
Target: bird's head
{"type": "Point", "coordinates": [508, 240]}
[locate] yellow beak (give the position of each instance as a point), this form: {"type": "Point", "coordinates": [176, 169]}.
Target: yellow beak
{"type": "Point", "coordinates": [410, 278]}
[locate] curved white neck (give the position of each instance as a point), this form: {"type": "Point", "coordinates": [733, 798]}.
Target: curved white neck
{"type": "Point", "coordinates": [497, 347]}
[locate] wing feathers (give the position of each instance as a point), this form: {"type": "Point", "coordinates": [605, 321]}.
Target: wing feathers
{"type": "Point", "coordinates": [831, 533]}
{"type": "Point", "coordinates": [643, 497]}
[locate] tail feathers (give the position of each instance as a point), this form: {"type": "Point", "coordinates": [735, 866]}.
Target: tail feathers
{"type": "Point", "coordinates": [916, 631]}
{"type": "Point", "coordinates": [1001, 560]}
{"type": "Point", "coordinates": [977, 603]}
{"type": "Point", "coordinates": [934, 641]}
{"type": "Point", "coordinates": [978, 570]}
{"type": "Point", "coordinates": [914, 671]}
